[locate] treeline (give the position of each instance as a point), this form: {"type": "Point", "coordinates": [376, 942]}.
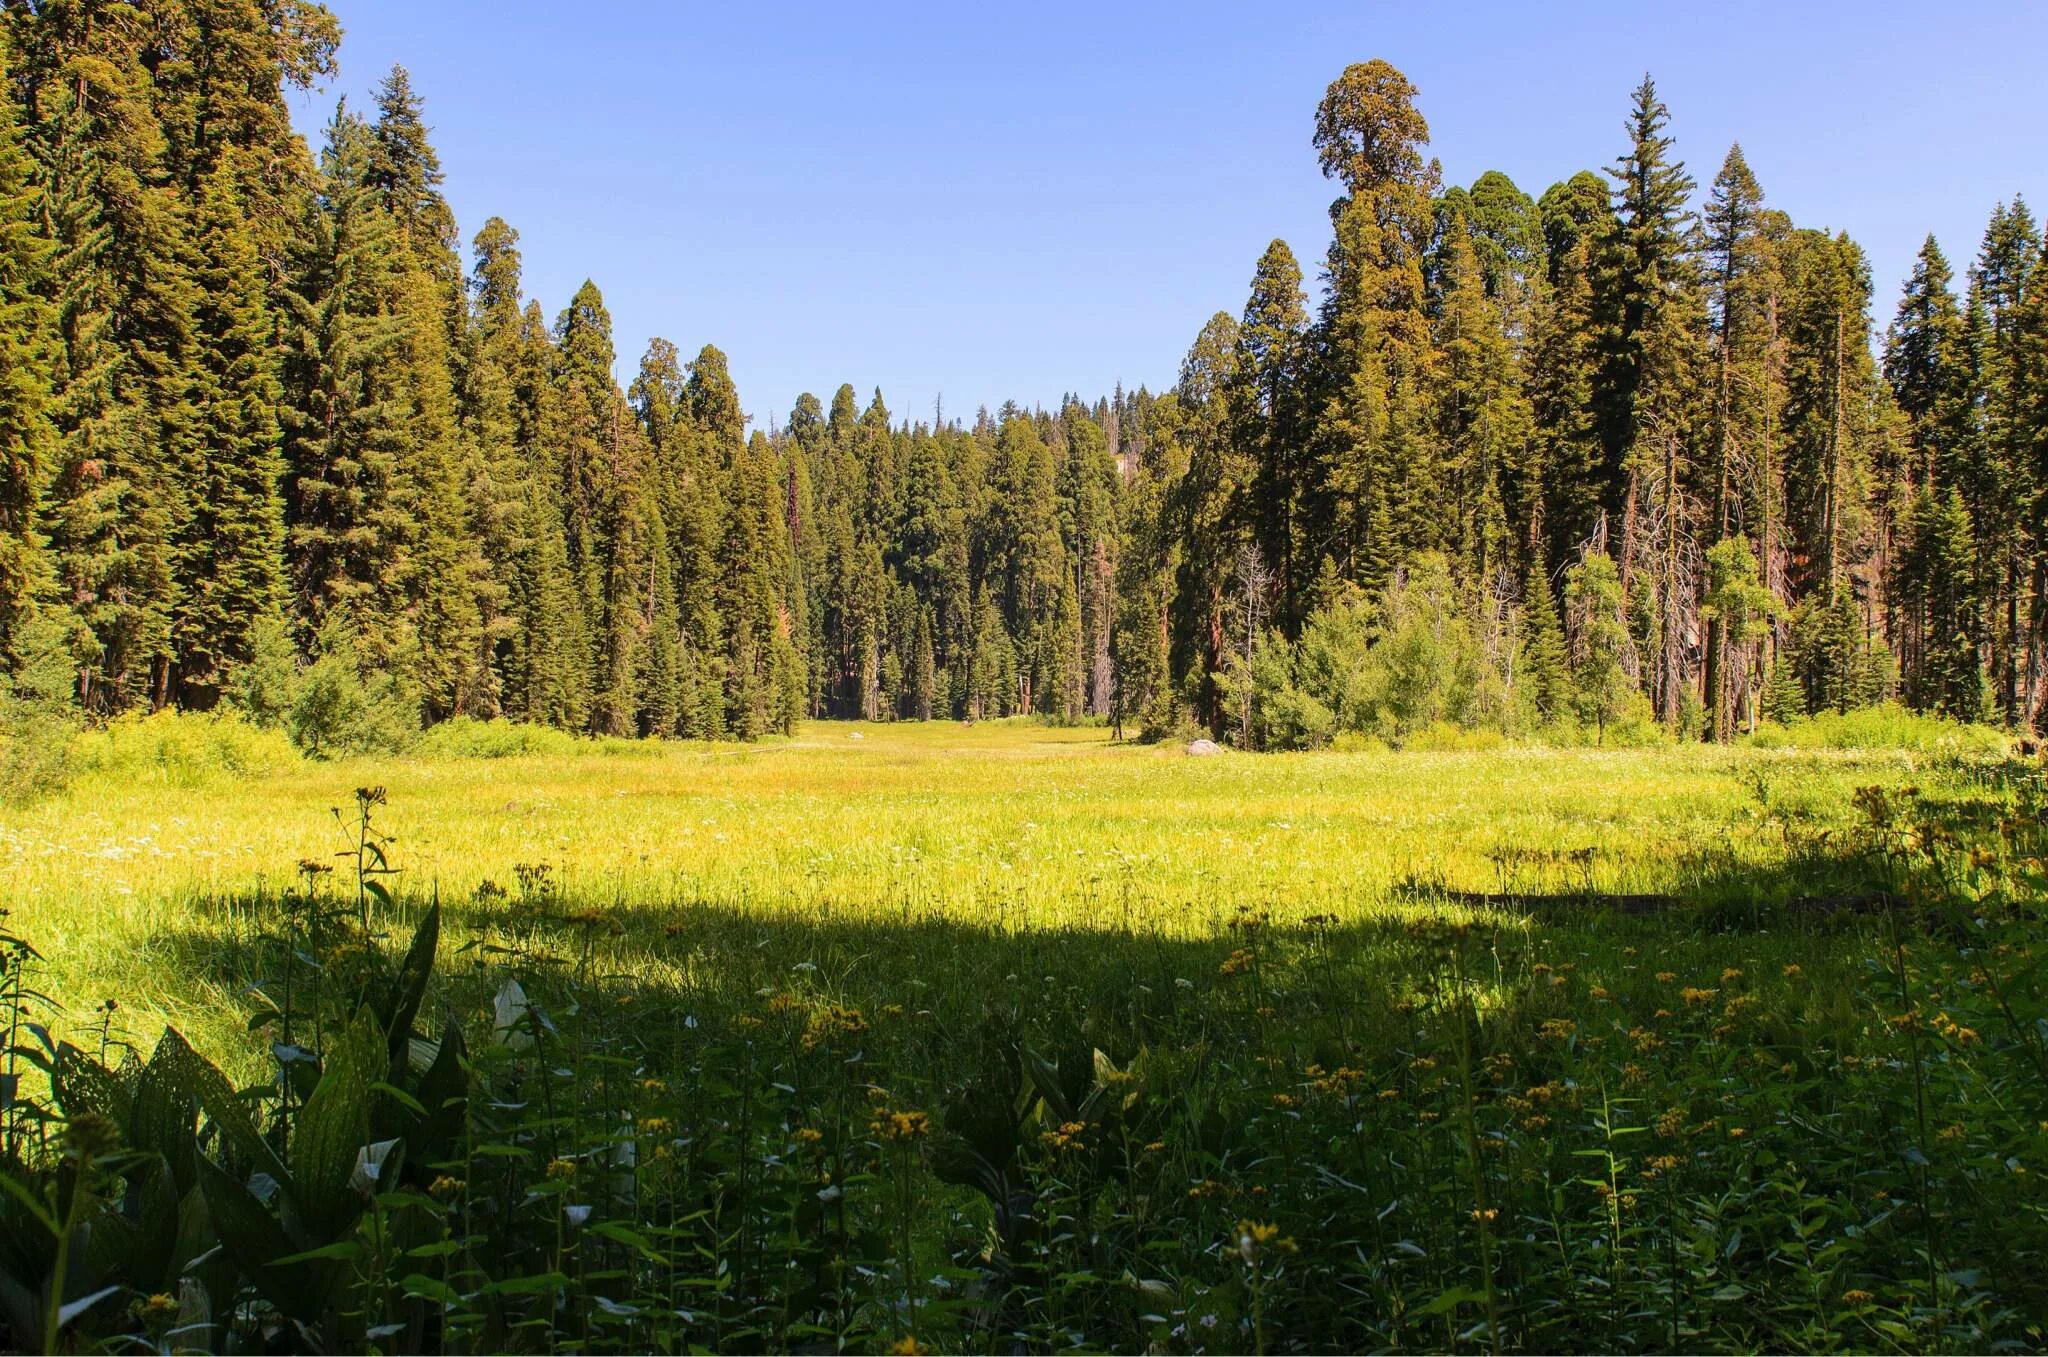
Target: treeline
{"type": "Point", "coordinates": [1596, 456]}
{"type": "Point", "coordinates": [271, 440]}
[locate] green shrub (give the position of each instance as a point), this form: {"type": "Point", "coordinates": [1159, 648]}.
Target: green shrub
{"type": "Point", "coordinates": [1885, 726]}
{"type": "Point", "coordinates": [37, 720]}
{"type": "Point", "coordinates": [182, 748]}
{"type": "Point", "coordinates": [1445, 737]}
{"type": "Point", "coordinates": [463, 737]}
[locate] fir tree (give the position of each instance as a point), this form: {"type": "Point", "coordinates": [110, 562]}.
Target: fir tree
{"type": "Point", "coordinates": [228, 557]}
{"type": "Point", "coordinates": [28, 365]}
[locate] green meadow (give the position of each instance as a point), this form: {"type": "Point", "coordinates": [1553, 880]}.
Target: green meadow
{"type": "Point", "coordinates": [998, 828]}
{"type": "Point", "coordinates": [1007, 1036]}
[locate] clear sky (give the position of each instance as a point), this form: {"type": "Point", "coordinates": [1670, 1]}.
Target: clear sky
{"type": "Point", "coordinates": [984, 202]}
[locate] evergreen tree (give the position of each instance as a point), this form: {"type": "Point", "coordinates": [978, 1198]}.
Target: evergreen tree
{"type": "Point", "coordinates": [1545, 663]}
{"type": "Point", "coordinates": [1266, 419]}
{"type": "Point", "coordinates": [1377, 478]}
{"type": "Point", "coordinates": [28, 366]}
{"type": "Point", "coordinates": [229, 555]}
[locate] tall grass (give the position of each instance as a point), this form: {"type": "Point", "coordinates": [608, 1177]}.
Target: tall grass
{"type": "Point", "coordinates": [1010, 1038]}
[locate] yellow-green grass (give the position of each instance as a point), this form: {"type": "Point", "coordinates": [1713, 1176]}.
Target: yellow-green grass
{"type": "Point", "coordinates": [121, 879]}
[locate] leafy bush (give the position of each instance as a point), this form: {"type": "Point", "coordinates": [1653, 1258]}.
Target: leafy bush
{"type": "Point", "coordinates": [1886, 726]}
{"type": "Point", "coordinates": [183, 748]}
{"type": "Point", "coordinates": [1444, 737]}
{"type": "Point", "coordinates": [37, 720]}
{"type": "Point", "coordinates": [336, 711]}
{"type": "Point", "coordinates": [462, 737]}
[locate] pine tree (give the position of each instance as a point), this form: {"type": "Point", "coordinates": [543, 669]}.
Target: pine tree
{"type": "Point", "coordinates": [1485, 422]}
{"type": "Point", "coordinates": [108, 531]}
{"type": "Point", "coordinates": [1545, 663]}
{"type": "Point", "coordinates": [1377, 477]}
{"type": "Point", "coordinates": [228, 556]}
{"type": "Point", "coordinates": [28, 365]}
{"type": "Point", "coordinates": [1921, 355]}
{"type": "Point", "coordinates": [1266, 422]}
{"type": "Point", "coordinates": [1734, 260]}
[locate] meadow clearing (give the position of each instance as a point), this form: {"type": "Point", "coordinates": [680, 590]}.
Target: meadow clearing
{"type": "Point", "coordinates": [930, 1036]}
{"type": "Point", "coordinates": [1004, 826]}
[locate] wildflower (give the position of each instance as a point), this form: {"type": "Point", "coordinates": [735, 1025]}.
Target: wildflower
{"type": "Point", "coordinates": [1422, 1064]}
{"type": "Point", "coordinates": [1731, 974]}
{"type": "Point", "coordinates": [1663, 1163]}
{"type": "Point", "coordinates": [1067, 1137]}
{"type": "Point", "coordinates": [1953, 1131]}
{"type": "Point", "coordinates": [1154, 1147]}
{"type": "Point", "coordinates": [1666, 977]}
{"type": "Point", "coordinates": [654, 1087]}
{"type": "Point", "coordinates": [1285, 1100]}
{"type": "Point", "coordinates": [1857, 1296]}
{"type": "Point", "coordinates": [1644, 1040]}
{"type": "Point", "coordinates": [1696, 997]}
{"type": "Point", "coordinates": [1671, 1122]}
{"type": "Point", "coordinates": [809, 1135]}
{"type": "Point", "coordinates": [1737, 1132]}
{"type": "Point", "coordinates": [1599, 992]}
{"type": "Point", "coordinates": [1254, 1238]}
{"type": "Point", "coordinates": [1557, 1029]}
{"type": "Point", "coordinates": [830, 1021]}
{"type": "Point", "coordinates": [1208, 1187]}
{"type": "Point", "coordinates": [899, 1128]}
{"type": "Point", "coordinates": [1338, 1082]}
{"type": "Point", "coordinates": [1237, 963]}
{"type": "Point", "coordinates": [1488, 1216]}
{"type": "Point", "coordinates": [1634, 1075]}
{"type": "Point", "coordinates": [561, 1170]}
{"type": "Point", "coordinates": [907, 1347]}
{"type": "Point", "coordinates": [156, 1315]}
{"type": "Point", "coordinates": [1792, 971]}
{"type": "Point", "coordinates": [656, 1126]}
{"type": "Point", "coordinates": [445, 1187]}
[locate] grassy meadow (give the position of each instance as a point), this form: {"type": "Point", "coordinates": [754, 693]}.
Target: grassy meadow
{"type": "Point", "coordinates": [925, 1037]}
{"type": "Point", "coordinates": [999, 827]}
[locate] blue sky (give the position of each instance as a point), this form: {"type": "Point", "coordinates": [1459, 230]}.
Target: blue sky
{"type": "Point", "coordinates": [990, 202]}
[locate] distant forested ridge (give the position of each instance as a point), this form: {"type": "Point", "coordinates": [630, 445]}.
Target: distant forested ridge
{"type": "Point", "coordinates": [1622, 452]}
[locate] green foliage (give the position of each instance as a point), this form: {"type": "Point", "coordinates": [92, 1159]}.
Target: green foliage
{"type": "Point", "coordinates": [187, 750]}
{"type": "Point", "coordinates": [37, 721]}
{"type": "Point", "coordinates": [1886, 726]}
{"type": "Point", "coordinates": [337, 711]}
{"type": "Point", "coordinates": [464, 738]}
{"type": "Point", "coordinates": [1601, 646]}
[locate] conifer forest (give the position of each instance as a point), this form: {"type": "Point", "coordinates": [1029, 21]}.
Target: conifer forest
{"type": "Point", "coordinates": [1499, 810]}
